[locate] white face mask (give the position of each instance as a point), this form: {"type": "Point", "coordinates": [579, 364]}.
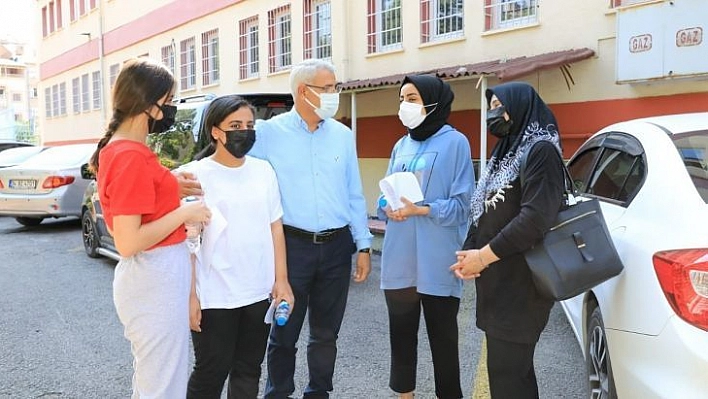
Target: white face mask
{"type": "Point", "coordinates": [411, 114]}
{"type": "Point", "coordinates": [329, 104]}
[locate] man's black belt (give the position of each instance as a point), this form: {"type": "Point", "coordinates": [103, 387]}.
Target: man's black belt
{"type": "Point", "coordinates": [316, 238]}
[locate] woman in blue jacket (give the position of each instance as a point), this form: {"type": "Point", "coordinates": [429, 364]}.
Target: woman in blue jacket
{"type": "Point", "coordinates": [421, 238]}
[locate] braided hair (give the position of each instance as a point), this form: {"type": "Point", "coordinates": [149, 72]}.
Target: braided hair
{"type": "Point", "coordinates": [139, 85]}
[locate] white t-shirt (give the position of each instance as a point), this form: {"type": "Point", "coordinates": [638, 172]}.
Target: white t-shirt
{"type": "Point", "coordinates": [236, 261]}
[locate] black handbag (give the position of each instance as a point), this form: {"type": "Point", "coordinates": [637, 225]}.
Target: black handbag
{"type": "Point", "coordinates": [575, 254]}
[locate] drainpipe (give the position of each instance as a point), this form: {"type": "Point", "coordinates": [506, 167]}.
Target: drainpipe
{"type": "Point", "coordinates": [354, 115]}
{"type": "Point", "coordinates": [101, 65]}
{"type": "Point", "coordinates": [483, 125]}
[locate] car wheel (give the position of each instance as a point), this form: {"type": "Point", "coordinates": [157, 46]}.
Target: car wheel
{"type": "Point", "coordinates": [602, 384]}
{"type": "Point", "coordinates": [25, 221]}
{"type": "Point", "coordinates": [89, 235]}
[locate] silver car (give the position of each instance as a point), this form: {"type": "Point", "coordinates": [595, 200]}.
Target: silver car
{"type": "Point", "coordinates": [17, 155]}
{"type": "Point", "coordinates": [48, 184]}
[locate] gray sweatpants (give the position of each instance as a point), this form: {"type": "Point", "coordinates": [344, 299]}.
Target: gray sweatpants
{"type": "Point", "coordinates": [151, 295]}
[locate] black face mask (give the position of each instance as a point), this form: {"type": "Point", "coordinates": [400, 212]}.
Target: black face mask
{"type": "Point", "coordinates": [168, 119]}
{"type": "Point", "coordinates": [239, 142]}
{"type": "Point", "coordinates": [496, 124]}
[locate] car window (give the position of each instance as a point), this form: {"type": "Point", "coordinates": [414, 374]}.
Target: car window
{"type": "Point", "coordinates": [617, 176]}
{"type": "Point", "coordinates": [580, 169]}
{"type": "Point", "coordinates": [61, 156]}
{"type": "Point", "coordinates": [15, 155]}
{"type": "Point", "coordinates": [693, 147]}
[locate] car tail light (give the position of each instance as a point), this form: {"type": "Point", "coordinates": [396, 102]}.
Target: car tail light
{"type": "Point", "coordinates": [683, 275]}
{"type": "Point", "coordinates": [57, 181]}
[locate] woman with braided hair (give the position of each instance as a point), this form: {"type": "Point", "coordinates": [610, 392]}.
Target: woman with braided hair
{"type": "Point", "coordinates": [141, 206]}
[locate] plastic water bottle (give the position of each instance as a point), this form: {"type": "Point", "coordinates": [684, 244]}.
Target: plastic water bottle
{"type": "Point", "coordinates": [282, 312]}
{"type": "Point", "coordinates": [194, 230]}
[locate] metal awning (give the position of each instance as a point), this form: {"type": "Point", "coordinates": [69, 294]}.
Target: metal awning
{"type": "Point", "coordinates": [504, 69]}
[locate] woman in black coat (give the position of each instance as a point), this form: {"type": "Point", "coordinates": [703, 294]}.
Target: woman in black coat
{"type": "Point", "coordinates": [507, 219]}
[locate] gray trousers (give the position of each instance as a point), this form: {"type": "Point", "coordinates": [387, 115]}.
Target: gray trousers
{"type": "Point", "coordinates": [151, 295]}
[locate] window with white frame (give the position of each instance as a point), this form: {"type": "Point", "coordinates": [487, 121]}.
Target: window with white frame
{"type": "Point", "coordinates": [17, 97]}
{"type": "Point", "coordinates": [318, 29]}
{"type": "Point", "coordinates": [48, 102]}
{"type": "Point", "coordinates": [96, 80]}
{"type": "Point", "coordinates": [62, 98]}
{"type": "Point", "coordinates": [168, 57]}
{"type": "Point", "coordinates": [85, 93]}
{"type": "Point", "coordinates": [187, 64]}
{"type": "Point", "coordinates": [55, 100]}
{"type": "Point", "coordinates": [279, 39]}
{"type": "Point", "coordinates": [441, 19]}
{"type": "Point", "coordinates": [113, 74]}
{"type": "Point", "coordinates": [52, 25]}
{"type": "Point", "coordinates": [385, 30]}
{"type": "Point", "coordinates": [210, 57]}
{"type": "Point", "coordinates": [78, 8]}
{"type": "Point", "coordinates": [248, 47]}
{"type": "Point", "coordinates": [76, 95]}
{"type": "Point", "coordinates": [503, 14]}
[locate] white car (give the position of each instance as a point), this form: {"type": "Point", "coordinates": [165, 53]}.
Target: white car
{"type": "Point", "coordinates": [48, 184]}
{"type": "Point", "coordinates": [644, 333]}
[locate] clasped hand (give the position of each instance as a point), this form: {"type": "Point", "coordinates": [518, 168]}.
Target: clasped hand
{"type": "Point", "coordinates": [469, 264]}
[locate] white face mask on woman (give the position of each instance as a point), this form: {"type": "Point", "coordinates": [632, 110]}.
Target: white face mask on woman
{"type": "Point", "coordinates": [329, 104]}
{"type": "Point", "coordinates": [411, 114]}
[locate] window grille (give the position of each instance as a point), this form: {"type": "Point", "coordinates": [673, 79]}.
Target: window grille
{"type": "Point", "coordinates": [279, 39]}
{"type": "Point", "coordinates": [188, 64]}
{"type": "Point", "coordinates": [502, 14]}
{"type": "Point", "coordinates": [48, 102]}
{"type": "Point", "coordinates": [167, 54]}
{"type": "Point", "coordinates": [76, 95]}
{"type": "Point", "coordinates": [317, 40]}
{"type": "Point", "coordinates": [85, 93]}
{"type": "Point", "coordinates": [248, 47]}
{"type": "Point", "coordinates": [441, 19]}
{"type": "Point", "coordinates": [62, 98]}
{"type": "Point", "coordinates": [384, 27]}
{"type": "Point", "coordinates": [113, 74]}
{"type": "Point", "coordinates": [55, 100]}
{"type": "Point", "coordinates": [96, 77]}
{"type": "Point", "coordinates": [210, 57]}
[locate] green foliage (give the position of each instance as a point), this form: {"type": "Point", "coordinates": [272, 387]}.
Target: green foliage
{"type": "Point", "coordinates": [175, 146]}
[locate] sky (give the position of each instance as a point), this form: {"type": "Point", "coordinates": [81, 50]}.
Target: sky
{"type": "Point", "coordinates": [18, 19]}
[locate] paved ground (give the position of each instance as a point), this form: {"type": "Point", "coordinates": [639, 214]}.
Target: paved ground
{"type": "Point", "coordinates": [61, 337]}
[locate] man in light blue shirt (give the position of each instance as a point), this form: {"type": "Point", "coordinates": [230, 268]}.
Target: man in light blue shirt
{"type": "Point", "coordinates": [324, 219]}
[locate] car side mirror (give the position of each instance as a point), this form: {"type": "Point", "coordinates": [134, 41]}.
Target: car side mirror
{"type": "Point", "coordinates": [87, 173]}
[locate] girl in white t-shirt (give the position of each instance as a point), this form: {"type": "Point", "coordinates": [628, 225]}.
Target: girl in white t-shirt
{"type": "Point", "coordinates": [241, 262]}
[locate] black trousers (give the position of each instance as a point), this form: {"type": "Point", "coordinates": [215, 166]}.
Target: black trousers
{"type": "Point", "coordinates": [232, 344]}
{"type": "Point", "coordinates": [440, 314]}
{"type": "Point", "coordinates": [319, 275]}
{"type": "Point", "coordinates": [510, 368]}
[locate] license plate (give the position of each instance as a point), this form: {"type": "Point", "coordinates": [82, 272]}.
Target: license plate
{"type": "Point", "coordinates": [23, 184]}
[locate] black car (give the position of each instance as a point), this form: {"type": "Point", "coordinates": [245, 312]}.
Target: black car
{"type": "Point", "coordinates": [174, 147]}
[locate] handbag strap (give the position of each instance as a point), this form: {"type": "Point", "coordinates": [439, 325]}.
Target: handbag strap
{"type": "Point", "coordinates": [568, 187]}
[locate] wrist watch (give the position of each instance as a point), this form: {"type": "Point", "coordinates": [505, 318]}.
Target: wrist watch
{"type": "Point", "coordinates": [365, 250]}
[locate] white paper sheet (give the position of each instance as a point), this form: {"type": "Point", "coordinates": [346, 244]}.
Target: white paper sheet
{"type": "Point", "coordinates": [400, 184]}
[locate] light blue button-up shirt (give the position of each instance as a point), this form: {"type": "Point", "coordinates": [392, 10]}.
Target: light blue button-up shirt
{"type": "Point", "coordinates": [318, 174]}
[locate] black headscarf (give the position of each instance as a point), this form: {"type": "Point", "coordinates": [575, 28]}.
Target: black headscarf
{"type": "Point", "coordinates": [432, 90]}
{"type": "Point", "coordinates": [533, 121]}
